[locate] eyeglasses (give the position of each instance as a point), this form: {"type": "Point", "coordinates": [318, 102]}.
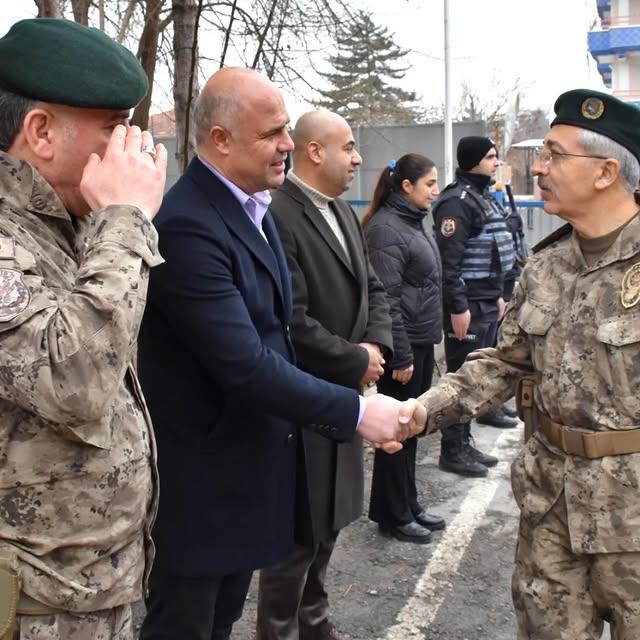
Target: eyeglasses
{"type": "Point", "coordinates": [546, 157]}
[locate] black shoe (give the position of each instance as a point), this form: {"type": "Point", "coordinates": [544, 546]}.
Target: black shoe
{"type": "Point", "coordinates": [508, 411]}
{"type": "Point", "coordinates": [477, 455]}
{"type": "Point", "coordinates": [460, 462]}
{"type": "Point", "coordinates": [495, 418]}
{"type": "Point", "coordinates": [431, 521]}
{"type": "Point", "coordinates": [411, 532]}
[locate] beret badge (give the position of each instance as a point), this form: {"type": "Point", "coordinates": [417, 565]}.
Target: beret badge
{"type": "Point", "coordinates": [592, 108]}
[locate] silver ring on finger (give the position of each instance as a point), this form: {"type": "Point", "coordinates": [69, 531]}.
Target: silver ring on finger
{"type": "Point", "coordinates": [149, 149]}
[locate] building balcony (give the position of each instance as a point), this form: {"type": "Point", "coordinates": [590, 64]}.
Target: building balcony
{"type": "Point", "coordinates": [616, 41]}
{"type": "Point", "coordinates": [609, 21]}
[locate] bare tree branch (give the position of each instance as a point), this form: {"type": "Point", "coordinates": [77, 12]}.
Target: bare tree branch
{"type": "Point", "coordinates": [227, 35]}
{"type": "Point", "coordinates": [126, 20]}
{"type": "Point", "coordinates": [263, 35]}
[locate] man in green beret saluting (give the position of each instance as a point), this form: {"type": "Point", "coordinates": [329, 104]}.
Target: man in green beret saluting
{"type": "Point", "coordinates": [78, 191]}
{"type": "Point", "coordinates": [570, 347]}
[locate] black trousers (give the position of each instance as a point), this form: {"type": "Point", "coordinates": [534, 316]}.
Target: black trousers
{"type": "Point", "coordinates": [394, 497]}
{"type": "Point", "coordinates": [292, 601]}
{"type": "Point", "coordinates": [181, 608]}
{"type": "Point", "coordinates": [481, 333]}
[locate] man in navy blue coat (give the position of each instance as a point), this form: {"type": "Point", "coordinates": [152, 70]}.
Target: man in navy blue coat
{"type": "Point", "coordinates": [217, 368]}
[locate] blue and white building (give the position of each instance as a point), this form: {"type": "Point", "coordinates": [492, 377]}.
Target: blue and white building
{"type": "Point", "coordinates": [616, 47]}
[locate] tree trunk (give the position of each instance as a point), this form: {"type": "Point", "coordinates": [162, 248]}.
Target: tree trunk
{"type": "Point", "coordinates": [48, 8]}
{"type": "Point", "coordinates": [147, 54]}
{"type": "Point", "coordinates": [186, 86]}
{"type": "Point", "coordinates": [81, 11]}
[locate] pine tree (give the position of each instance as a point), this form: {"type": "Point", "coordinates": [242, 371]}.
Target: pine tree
{"type": "Point", "coordinates": [366, 62]}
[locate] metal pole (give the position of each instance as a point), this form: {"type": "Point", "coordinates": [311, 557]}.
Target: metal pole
{"type": "Point", "coordinates": [448, 128]}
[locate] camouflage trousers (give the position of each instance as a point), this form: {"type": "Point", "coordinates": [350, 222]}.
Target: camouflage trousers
{"type": "Point", "coordinates": [560, 595]}
{"type": "Point", "coordinates": [110, 624]}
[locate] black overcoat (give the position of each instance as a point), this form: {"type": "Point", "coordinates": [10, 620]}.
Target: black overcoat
{"type": "Point", "coordinates": [337, 303]}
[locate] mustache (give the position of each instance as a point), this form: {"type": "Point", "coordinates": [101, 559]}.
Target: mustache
{"type": "Point", "coordinates": [544, 185]}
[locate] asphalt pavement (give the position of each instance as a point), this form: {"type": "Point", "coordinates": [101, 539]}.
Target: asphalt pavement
{"type": "Point", "coordinates": [457, 587]}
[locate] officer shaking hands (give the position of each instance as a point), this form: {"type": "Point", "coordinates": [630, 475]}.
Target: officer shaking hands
{"type": "Point", "coordinates": [570, 345]}
{"type": "Point", "coordinates": [476, 247]}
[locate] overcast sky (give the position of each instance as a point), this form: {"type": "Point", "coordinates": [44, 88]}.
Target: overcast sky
{"type": "Point", "coordinates": [542, 42]}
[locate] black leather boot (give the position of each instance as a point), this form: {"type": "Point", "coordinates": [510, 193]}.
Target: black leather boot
{"type": "Point", "coordinates": [508, 411]}
{"type": "Point", "coordinates": [495, 418]}
{"type": "Point", "coordinates": [479, 456]}
{"type": "Point", "coordinates": [457, 460]}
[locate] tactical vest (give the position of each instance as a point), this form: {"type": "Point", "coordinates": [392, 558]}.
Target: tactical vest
{"type": "Point", "coordinates": [495, 239]}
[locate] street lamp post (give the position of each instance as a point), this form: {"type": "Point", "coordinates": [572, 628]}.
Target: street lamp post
{"type": "Point", "coordinates": [448, 129]}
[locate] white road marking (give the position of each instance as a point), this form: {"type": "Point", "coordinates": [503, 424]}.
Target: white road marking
{"type": "Point", "coordinates": [434, 584]}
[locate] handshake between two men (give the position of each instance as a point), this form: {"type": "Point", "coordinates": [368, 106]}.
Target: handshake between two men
{"type": "Point", "coordinates": [387, 422]}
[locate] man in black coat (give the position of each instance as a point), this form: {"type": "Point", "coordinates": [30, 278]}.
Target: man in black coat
{"type": "Point", "coordinates": [476, 248]}
{"type": "Point", "coordinates": [341, 331]}
{"type": "Point", "coordinates": [217, 367]}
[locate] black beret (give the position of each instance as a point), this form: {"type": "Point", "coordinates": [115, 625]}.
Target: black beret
{"type": "Point", "coordinates": [63, 62]}
{"type": "Point", "coordinates": [602, 113]}
{"type": "Point", "coordinates": [471, 149]}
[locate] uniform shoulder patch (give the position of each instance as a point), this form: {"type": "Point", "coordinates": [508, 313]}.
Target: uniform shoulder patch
{"type": "Point", "coordinates": [630, 290]}
{"type": "Point", "coordinates": [448, 227]}
{"type": "Point", "coordinates": [7, 248]}
{"type": "Point", "coordinates": [14, 294]}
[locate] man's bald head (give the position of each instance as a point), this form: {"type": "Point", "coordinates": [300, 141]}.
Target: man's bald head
{"type": "Point", "coordinates": [225, 95]}
{"type": "Point", "coordinates": [325, 156]}
{"type": "Point", "coordinates": [241, 126]}
{"type": "Point", "coordinates": [317, 126]}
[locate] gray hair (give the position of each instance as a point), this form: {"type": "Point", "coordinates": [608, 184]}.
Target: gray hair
{"type": "Point", "coordinates": [599, 144]}
{"type": "Point", "coordinates": [13, 109]}
{"type": "Point", "coordinates": [210, 111]}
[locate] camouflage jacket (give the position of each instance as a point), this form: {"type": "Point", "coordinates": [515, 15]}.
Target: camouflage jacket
{"type": "Point", "coordinates": [567, 324]}
{"type": "Point", "coordinates": [78, 488]}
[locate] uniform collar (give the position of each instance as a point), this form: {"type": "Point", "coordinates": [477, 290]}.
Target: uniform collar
{"type": "Point", "coordinates": [626, 246]}
{"type": "Point", "coordinates": [22, 187]}
{"type": "Point", "coordinates": [477, 181]}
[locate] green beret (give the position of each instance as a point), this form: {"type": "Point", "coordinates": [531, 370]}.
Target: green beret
{"type": "Point", "coordinates": [63, 62]}
{"type": "Point", "coordinates": [602, 113]}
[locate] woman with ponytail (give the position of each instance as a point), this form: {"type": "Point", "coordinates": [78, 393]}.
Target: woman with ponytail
{"type": "Point", "coordinates": [405, 257]}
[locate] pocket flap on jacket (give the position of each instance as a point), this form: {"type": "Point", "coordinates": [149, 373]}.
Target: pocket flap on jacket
{"type": "Point", "coordinates": [619, 331]}
{"type": "Point", "coordinates": [536, 317]}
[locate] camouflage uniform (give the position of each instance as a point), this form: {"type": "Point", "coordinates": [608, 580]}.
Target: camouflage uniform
{"type": "Point", "coordinates": [78, 488]}
{"type": "Point", "coordinates": [578, 557]}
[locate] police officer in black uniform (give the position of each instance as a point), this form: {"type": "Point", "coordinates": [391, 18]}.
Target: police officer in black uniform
{"type": "Point", "coordinates": [477, 251]}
